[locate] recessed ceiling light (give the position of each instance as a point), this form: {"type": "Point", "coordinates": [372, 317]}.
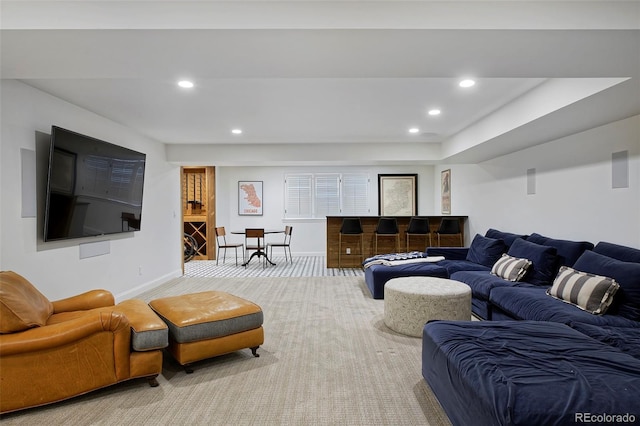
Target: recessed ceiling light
{"type": "Point", "coordinates": [434, 112]}
{"type": "Point", "coordinates": [414, 130]}
{"type": "Point", "coordinates": [185, 84]}
{"type": "Point", "coordinates": [467, 83]}
{"type": "Point", "coordinates": [236, 131]}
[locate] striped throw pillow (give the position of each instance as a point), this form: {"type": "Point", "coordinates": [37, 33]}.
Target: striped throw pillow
{"type": "Point", "coordinates": [589, 292]}
{"type": "Point", "coordinates": [510, 268]}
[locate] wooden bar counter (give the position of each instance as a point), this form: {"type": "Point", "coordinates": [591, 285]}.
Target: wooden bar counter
{"type": "Point", "coordinates": [385, 245]}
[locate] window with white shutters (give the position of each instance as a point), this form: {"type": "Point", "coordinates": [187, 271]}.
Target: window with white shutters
{"type": "Point", "coordinates": [298, 200]}
{"type": "Point", "coordinates": [355, 194]}
{"type": "Point", "coordinates": [326, 194]}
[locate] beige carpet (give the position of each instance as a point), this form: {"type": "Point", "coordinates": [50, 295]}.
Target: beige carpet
{"type": "Point", "coordinates": [328, 359]}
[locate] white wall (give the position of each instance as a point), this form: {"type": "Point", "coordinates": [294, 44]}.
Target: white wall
{"type": "Point", "coordinates": [309, 236]}
{"type": "Point", "coordinates": [55, 268]}
{"type": "Point", "coordinates": [574, 198]}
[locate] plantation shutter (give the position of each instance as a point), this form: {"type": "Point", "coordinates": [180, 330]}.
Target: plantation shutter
{"type": "Point", "coordinates": [327, 195]}
{"type": "Point", "coordinates": [298, 196]}
{"type": "Point", "coordinates": [355, 194]}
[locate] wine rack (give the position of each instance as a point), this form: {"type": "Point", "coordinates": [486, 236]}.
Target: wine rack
{"type": "Point", "coordinates": [197, 206]}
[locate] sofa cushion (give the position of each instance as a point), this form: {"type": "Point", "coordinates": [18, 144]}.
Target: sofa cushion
{"type": "Point", "coordinates": [449, 253]}
{"type": "Point", "coordinates": [507, 237]}
{"type": "Point", "coordinates": [376, 276]}
{"type": "Point", "coordinates": [533, 303]}
{"type": "Point", "coordinates": [22, 306]}
{"type": "Point", "coordinates": [510, 268]}
{"type": "Point", "coordinates": [624, 253]}
{"type": "Point", "coordinates": [481, 282]}
{"type": "Point", "coordinates": [626, 274]}
{"type": "Point", "coordinates": [485, 251]}
{"type": "Point", "coordinates": [543, 259]}
{"type": "Point", "coordinates": [627, 339]}
{"type": "Point", "coordinates": [453, 266]}
{"type": "Point", "coordinates": [593, 293]}
{"type": "Point", "coordinates": [487, 373]}
{"type": "Point", "coordinates": [568, 251]}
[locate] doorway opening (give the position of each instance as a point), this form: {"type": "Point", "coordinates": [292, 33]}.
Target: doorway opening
{"type": "Point", "coordinates": [198, 212]}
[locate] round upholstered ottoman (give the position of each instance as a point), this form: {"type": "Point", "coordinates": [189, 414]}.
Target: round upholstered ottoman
{"type": "Point", "coordinates": [210, 323]}
{"type": "Point", "coordinates": [409, 302]}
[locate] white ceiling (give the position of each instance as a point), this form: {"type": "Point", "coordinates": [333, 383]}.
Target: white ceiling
{"type": "Point", "coordinates": [339, 73]}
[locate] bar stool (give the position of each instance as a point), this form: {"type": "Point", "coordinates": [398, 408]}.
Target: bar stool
{"type": "Point", "coordinates": [387, 227]}
{"type": "Point", "coordinates": [350, 227]}
{"type": "Point", "coordinates": [449, 226]}
{"type": "Point", "coordinates": [419, 226]}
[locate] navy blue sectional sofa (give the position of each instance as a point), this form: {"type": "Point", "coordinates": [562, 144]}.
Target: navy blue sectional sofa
{"type": "Point", "coordinates": [531, 373]}
{"type": "Point", "coordinates": [547, 256]}
{"type": "Point", "coordinates": [539, 360]}
{"type": "Point", "coordinates": [480, 256]}
{"type": "Point", "coordinates": [494, 298]}
{"type": "Point", "coordinates": [534, 304]}
{"type": "Point", "coordinates": [376, 276]}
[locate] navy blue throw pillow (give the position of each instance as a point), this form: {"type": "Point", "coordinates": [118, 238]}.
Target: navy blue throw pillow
{"type": "Point", "coordinates": [626, 302]}
{"type": "Point", "coordinates": [507, 237]}
{"type": "Point", "coordinates": [544, 261]}
{"type": "Point", "coordinates": [616, 251]}
{"type": "Point", "coordinates": [568, 251]}
{"type": "Point", "coordinates": [485, 251]}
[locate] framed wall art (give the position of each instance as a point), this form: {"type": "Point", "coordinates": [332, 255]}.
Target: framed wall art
{"type": "Point", "coordinates": [397, 195]}
{"type": "Point", "coordinates": [445, 191]}
{"type": "Point", "coordinates": [250, 198]}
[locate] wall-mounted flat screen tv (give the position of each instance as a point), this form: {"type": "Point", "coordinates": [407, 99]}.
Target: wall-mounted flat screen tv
{"type": "Point", "coordinates": [93, 187]}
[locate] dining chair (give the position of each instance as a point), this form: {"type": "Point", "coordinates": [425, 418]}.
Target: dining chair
{"type": "Point", "coordinates": [419, 227]}
{"type": "Point", "coordinates": [351, 227]}
{"type": "Point", "coordinates": [387, 227]}
{"type": "Point", "coordinates": [221, 240]}
{"type": "Point", "coordinates": [449, 226]}
{"type": "Point", "coordinates": [286, 244]}
{"type": "Point", "coordinates": [257, 246]}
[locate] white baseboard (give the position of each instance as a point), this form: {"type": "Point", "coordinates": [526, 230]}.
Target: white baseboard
{"type": "Point", "coordinates": [147, 286]}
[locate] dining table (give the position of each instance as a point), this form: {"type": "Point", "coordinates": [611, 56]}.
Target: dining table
{"type": "Point", "coordinates": [262, 250]}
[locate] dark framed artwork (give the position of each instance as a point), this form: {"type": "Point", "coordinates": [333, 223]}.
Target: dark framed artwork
{"type": "Point", "coordinates": [397, 195]}
{"type": "Point", "coordinates": [445, 191]}
{"type": "Point", "coordinates": [250, 198]}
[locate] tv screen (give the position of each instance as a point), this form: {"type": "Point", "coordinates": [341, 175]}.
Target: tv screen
{"type": "Point", "coordinates": [93, 187]}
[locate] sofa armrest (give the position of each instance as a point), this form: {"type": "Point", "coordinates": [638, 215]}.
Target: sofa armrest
{"type": "Point", "coordinates": [85, 301]}
{"type": "Point", "coordinates": [148, 330]}
{"type": "Point", "coordinates": [449, 253]}
{"type": "Point", "coordinates": [51, 336]}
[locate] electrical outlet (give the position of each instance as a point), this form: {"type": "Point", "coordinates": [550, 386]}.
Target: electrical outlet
{"type": "Point", "coordinates": [348, 251]}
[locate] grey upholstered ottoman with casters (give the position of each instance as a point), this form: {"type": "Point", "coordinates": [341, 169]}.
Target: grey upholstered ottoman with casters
{"type": "Point", "coordinates": [410, 302]}
{"type": "Point", "coordinates": [207, 324]}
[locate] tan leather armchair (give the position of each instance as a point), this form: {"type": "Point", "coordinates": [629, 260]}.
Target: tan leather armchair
{"type": "Point", "coordinates": [51, 351]}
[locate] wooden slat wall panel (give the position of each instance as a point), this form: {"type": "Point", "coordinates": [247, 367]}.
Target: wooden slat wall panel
{"type": "Point", "coordinates": [385, 245]}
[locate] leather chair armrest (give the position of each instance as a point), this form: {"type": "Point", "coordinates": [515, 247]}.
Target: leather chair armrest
{"type": "Point", "coordinates": [51, 336]}
{"type": "Point", "coordinates": [85, 301]}
{"type": "Point", "coordinates": [148, 330]}
{"type": "Point", "coordinates": [140, 315]}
